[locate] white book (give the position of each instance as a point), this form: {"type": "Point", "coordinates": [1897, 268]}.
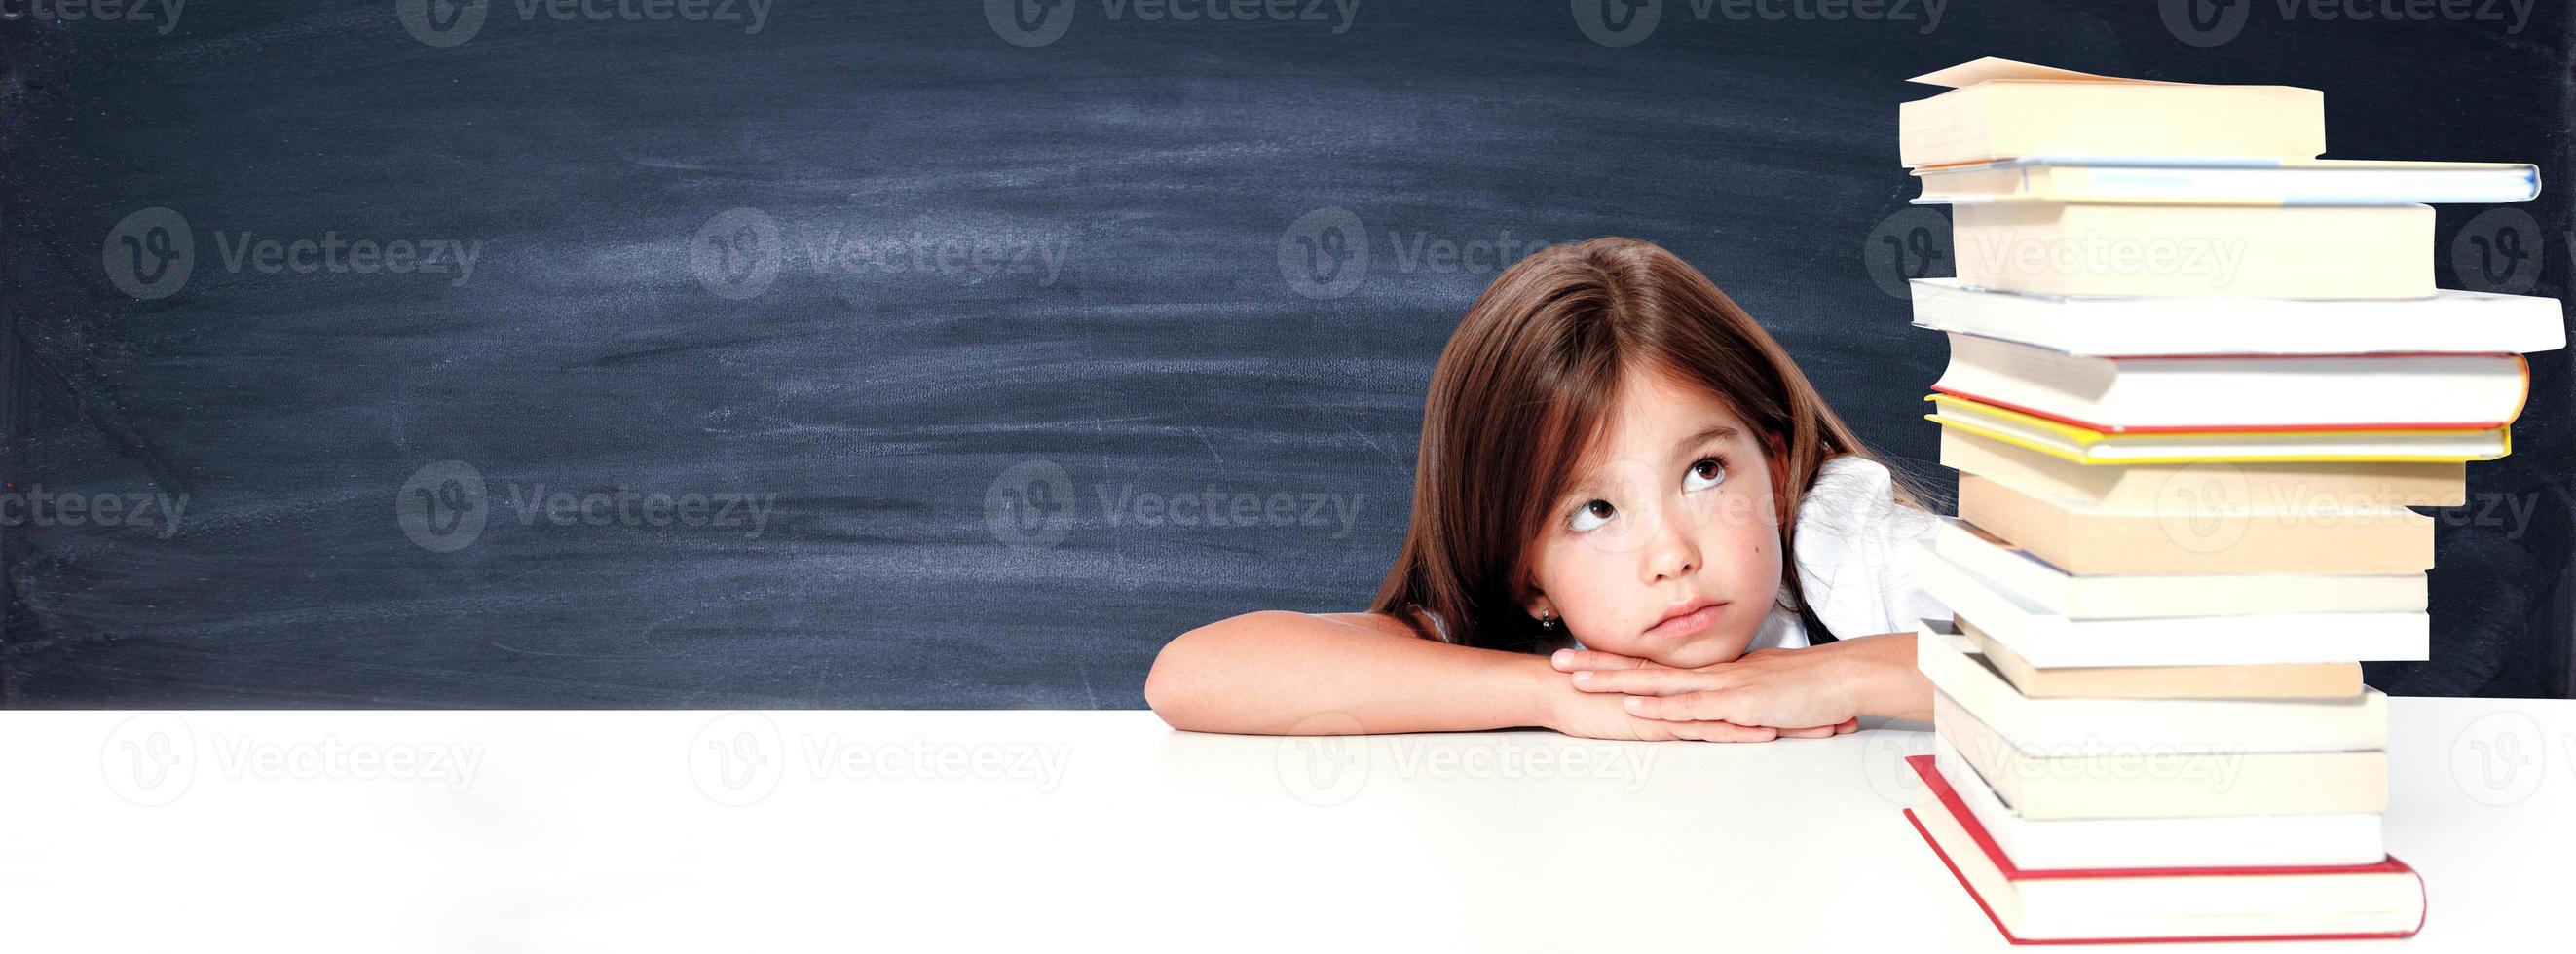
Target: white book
{"type": "Point", "coordinates": [2222, 841]}
{"type": "Point", "coordinates": [2202, 181]}
{"type": "Point", "coordinates": [2451, 321]}
{"type": "Point", "coordinates": [2165, 782]}
{"type": "Point", "coordinates": [2053, 727]}
{"type": "Point", "coordinates": [2117, 596]}
{"type": "Point", "coordinates": [2050, 640]}
{"type": "Point", "coordinates": [2227, 392]}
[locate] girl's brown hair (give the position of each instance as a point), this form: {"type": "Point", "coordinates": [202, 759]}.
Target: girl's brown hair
{"type": "Point", "coordinates": [1525, 385]}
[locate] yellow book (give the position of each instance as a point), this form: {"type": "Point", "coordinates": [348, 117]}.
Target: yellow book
{"type": "Point", "coordinates": [2090, 447]}
{"type": "Point", "coordinates": [2281, 485]}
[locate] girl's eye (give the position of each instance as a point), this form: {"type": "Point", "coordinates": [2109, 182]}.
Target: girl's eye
{"type": "Point", "coordinates": [1592, 515]}
{"type": "Point", "coordinates": [1707, 472]}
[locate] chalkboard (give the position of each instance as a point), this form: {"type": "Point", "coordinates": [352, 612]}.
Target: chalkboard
{"type": "Point", "coordinates": [748, 353]}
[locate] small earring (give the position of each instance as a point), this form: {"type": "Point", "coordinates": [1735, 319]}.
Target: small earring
{"type": "Point", "coordinates": [1547, 619]}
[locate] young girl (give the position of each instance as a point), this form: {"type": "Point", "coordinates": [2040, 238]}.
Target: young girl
{"type": "Point", "coordinates": [1615, 459]}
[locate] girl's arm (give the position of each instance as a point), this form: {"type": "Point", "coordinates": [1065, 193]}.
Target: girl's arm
{"type": "Point", "coordinates": [1265, 673]}
{"type": "Point", "coordinates": [1885, 680]}
{"type": "Point", "coordinates": [1284, 673]}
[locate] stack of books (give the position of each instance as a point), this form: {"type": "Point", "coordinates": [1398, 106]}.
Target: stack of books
{"type": "Point", "coordinates": [2197, 379]}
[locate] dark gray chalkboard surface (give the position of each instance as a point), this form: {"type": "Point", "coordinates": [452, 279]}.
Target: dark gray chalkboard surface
{"type": "Point", "coordinates": [402, 353]}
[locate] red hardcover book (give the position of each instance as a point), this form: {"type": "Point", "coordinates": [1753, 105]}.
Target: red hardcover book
{"type": "Point", "coordinates": [2206, 904]}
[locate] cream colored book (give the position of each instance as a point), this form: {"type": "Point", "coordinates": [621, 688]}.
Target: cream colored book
{"type": "Point", "coordinates": [2164, 781]}
{"type": "Point", "coordinates": [2199, 535]}
{"type": "Point", "coordinates": [2141, 596]}
{"type": "Point", "coordinates": [2001, 109]}
{"type": "Point", "coordinates": [2253, 841]}
{"type": "Point", "coordinates": [2275, 485]}
{"type": "Point", "coordinates": [2059, 248]}
{"type": "Point", "coordinates": [2109, 726]}
{"type": "Point", "coordinates": [2335, 680]}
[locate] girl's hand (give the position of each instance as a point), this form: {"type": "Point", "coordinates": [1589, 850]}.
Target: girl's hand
{"type": "Point", "coordinates": [1797, 691]}
{"type": "Point", "coordinates": [1603, 716]}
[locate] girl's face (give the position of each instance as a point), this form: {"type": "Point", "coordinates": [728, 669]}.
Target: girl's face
{"type": "Point", "coordinates": [1668, 547]}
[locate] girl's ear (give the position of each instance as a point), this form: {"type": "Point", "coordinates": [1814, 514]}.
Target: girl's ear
{"type": "Point", "coordinates": [1538, 607]}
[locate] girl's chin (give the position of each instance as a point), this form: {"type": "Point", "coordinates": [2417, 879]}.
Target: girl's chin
{"type": "Point", "coordinates": [1705, 651]}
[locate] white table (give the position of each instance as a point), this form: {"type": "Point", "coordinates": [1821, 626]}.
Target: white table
{"type": "Point", "coordinates": [578, 831]}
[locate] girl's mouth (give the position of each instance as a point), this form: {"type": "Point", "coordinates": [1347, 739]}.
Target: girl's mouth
{"type": "Point", "coordinates": [1689, 622]}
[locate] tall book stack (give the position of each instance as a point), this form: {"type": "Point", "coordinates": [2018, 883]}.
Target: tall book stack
{"type": "Point", "coordinates": [2197, 377]}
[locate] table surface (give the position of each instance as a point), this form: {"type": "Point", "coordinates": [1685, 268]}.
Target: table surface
{"type": "Point", "coordinates": [622, 831]}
